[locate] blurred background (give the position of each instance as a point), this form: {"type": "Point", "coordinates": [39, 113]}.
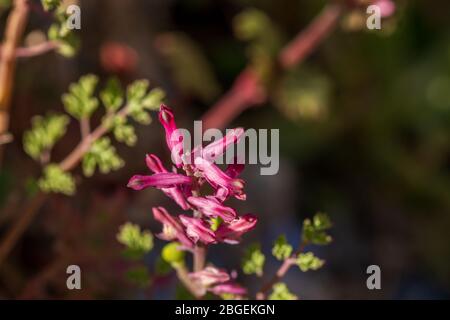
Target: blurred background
{"type": "Point", "coordinates": [364, 136]}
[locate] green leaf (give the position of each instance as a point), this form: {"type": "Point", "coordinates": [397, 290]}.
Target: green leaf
{"type": "Point", "coordinates": [112, 95]}
{"type": "Point", "coordinates": [253, 261]}
{"type": "Point", "coordinates": [44, 134]}
{"type": "Point", "coordinates": [80, 102]}
{"type": "Point", "coordinates": [55, 180]}
{"type": "Point", "coordinates": [315, 231]}
{"type": "Point", "coordinates": [138, 242]}
{"type": "Point", "coordinates": [154, 99]}
{"type": "Point", "coordinates": [282, 249]}
{"type": "Point", "coordinates": [50, 4]}
{"type": "Point", "coordinates": [125, 133]}
{"type": "Point", "coordinates": [308, 261]}
{"type": "Point", "coordinates": [68, 42]}
{"type": "Point", "coordinates": [281, 292]}
{"type": "Point", "coordinates": [215, 223]}
{"type": "Point", "coordinates": [102, 155]}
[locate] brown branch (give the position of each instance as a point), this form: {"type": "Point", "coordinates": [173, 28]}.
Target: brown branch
{"type": "Point", "coordinates": [36, 50]}
{"type": "Point", "coordinates": [15, 27]}
{"type": "Point", "coordinates": [199, 258]}
{"type": "Point", "coordinates": [19, 227]}
{"type": "Point", "coordinates": [247, 90]}
{"type": "Point", "coordinates": [32, 208]}
{"type": "Point", "coordinates": [281, 272]}
{"type": "Point", "coordinates": [183, 275]}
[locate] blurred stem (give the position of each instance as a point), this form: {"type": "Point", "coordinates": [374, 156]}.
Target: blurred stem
{"type": "Point", "coordinates": [85, 128]}
{"type": "Point", "coordinates": [32, 207]}
{"type": "Point", "coordinates": [15, 27]}
{"type": "Point", "coordinates": [16, 231]}
{"type": "Point", "coordinates": [238, 99]}
{"type": "Point", "coordinates": [183, 275]}
{"type": "Point", "coordinates": [199, 258]}
{"type": "Point", "coordinates": [281, 272]}
{"type": "Point", "coordinates": [36, 50]}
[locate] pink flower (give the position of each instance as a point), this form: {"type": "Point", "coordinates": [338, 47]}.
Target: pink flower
{"type": "Point", "coordinates": [159, 180]}
{"type": "Point", "coordinates": [209, 276]}
{"type": "Point", "coordinates": [172, 228]}
{"type": "Point", "coordinates": [387, 7]}
{"type": "Point", "coordinates": [211, 207]}
{"type": "Point", "coordinates": [233, 171]}
{"type": "Point", "coordinates": [174, 138]}
{"type": "Point", "coordinates": [230, 288]}
{"type": "Point", "coordinates": [198, 230]}
{"type": "Point", "coordinates": [217, 148]}
{"type": "Point", "coordinates": [231, 232]}
{"type": "Point", "coordinates": [155, 165]}
{"type": "Point", "coordinates": [217, 178]}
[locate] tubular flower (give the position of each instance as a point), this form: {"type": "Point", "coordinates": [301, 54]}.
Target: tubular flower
{"type": "Point", "coordinates": [211, 207]}
{"type": "Point", "coordinates": [231, 232]}
{"type": "Point", "coordinates": [198, 230]}
{"type": "Point", "coordinates": [159, 180]}
{"type": "Point", "coordinates": [217, 148]}
{"type": "Point", "coordinates": [172, 228]}
{"type": "Point", "coordinates": [229, 288]}
{"type": "Point", "coordinates": [174, 138]}
{"type": "Point", "coordinates": [176, 193]}
{"type": "Point", "coordinates": [210, 276]}
{"type": "Point", "coordinates": [213, 221]}
{"type": "Point", "coordinates": [217, 178]}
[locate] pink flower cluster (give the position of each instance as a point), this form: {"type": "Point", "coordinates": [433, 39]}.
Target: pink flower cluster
{"type": "Point", "coordinates": [218, 282]}
{"type": "Point", "coordinates": [212, 221]}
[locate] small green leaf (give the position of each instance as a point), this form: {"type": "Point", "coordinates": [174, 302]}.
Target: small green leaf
{"type": "Point", "coordinates": [50, 4]}
{"type": "Point", "coordinates": [308, 261]}
{"type": "Point", "coordinates": [55, 180]}
{"type": "Point", "coordinates": [44, 134]}
{"type": "Point", "coordinates": [102, 155]}
{"type": "Point", "coordinates": [315, 231]}
{"type": "Point", "coordinates": [68, 42]}
{"type": "Point", "coordinates": [281, 292]}
{"type": "Point", "coordinates": [282, 249]}
{"type": "Point", "coordinates": [138, 242]}
{"type": "Point", "coordinates": [253, 261]}
{"type": "Point", "coordinates": [154, 99]}
{"type": "Point", "coordinates": [80, 102]}
{"type": "Point", "coordinates": [112, 95]}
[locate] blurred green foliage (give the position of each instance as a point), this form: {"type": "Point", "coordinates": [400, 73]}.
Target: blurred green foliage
{"type": "Point", "coordinates": [137, 242]}
{"type": "Point", "coordinates": [281, 248]}
{"type": "Point", "coordinates": [281, 292]}
{"type": "Point", "coordinates": [253, 260]}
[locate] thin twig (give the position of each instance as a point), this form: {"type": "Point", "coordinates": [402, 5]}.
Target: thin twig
{"type": "Point", "coordinates": [32, 208]}
{"type": "Point", "coordinates": [183, 275]}
{"type": "Point", "coordinates": [281, 272]}
{"type": "Point", "coordinates": [36, 50]}
{"type": "Point", "coordinates": [246, 90]}
{"type": "Point", "coordinates": [15, 27]}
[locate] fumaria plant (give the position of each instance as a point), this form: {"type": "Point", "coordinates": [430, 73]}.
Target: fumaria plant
{"type": "Point", "coordinates": [205, 220]}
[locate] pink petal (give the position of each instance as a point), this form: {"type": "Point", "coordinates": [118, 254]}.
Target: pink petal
{"type": "Point", "coordinates": [198, 230]}
{"type": "Point", "coordinates": [211, 207]}
{"type": "Point", "coordinates": [172, 228]}
{"type": "Point", "coordinates": [174, 138]}
{"type": "Point", "coordinates": [159, 180]}
{"type": "Point", "coordinates": [231, 232]}
{"type": "Point", "coordinates": [155, 165]}
{"type": "Point", "coordinates": [217, 148]}
{"type": "Point", "coordinates": [217, 177]}
{"type": "Point", "coordinates": [210, 276]}
{"type": "Point", "coordinates": [231, 288]}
